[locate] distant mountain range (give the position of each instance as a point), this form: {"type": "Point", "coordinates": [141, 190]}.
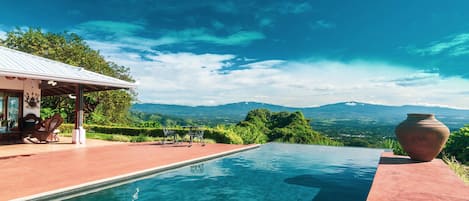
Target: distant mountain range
{"type": "Point", "coordinates": [343, 111]}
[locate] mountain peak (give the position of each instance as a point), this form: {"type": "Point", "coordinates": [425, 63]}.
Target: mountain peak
{"type": "Point", "coordinates": [353, 103]}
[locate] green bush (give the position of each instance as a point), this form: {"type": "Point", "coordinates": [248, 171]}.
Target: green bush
{"type": "Point", "coordinates": [223, 136]}
{"type": "Point", "coordinates": [394, 145]}
{"type": "Point", "coordinates": [261, 126]}
{"type": "Point", "coordinates": [133, 134]}
{"type": "Point", "coordinates": [250, 135]}
{"type": "Point", "coordinates": [457, 167]}
{"type": "Point", "coordinates": [458, 145]}
{"type": "Point", "coordinates": [129, 131]}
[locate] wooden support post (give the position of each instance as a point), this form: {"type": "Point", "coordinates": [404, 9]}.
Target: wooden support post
{"type": "Point", "coordinates": [79, 132]}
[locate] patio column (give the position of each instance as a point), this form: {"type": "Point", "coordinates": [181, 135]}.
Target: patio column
{"type": "Point", "coordinates": [79, 133]}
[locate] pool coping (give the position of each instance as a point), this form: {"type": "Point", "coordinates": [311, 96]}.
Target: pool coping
{"type": "Point", "coordinates": [97, 185]}
{"type": "Point", "coordinates": [398, 178]}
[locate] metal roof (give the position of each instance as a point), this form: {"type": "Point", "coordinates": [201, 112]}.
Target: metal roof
{"type": "Point", "coordinates": [15, 63]}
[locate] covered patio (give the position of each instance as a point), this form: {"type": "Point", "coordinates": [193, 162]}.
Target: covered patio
{"type": "Point", "coordinates": [25, 79]}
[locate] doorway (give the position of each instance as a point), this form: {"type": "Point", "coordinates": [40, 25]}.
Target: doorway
{"type": "Point", "coordinates": [10, 110]}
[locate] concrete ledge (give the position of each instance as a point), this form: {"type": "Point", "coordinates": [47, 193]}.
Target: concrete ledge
{"type": "Point", "coordinates": [399, 178]}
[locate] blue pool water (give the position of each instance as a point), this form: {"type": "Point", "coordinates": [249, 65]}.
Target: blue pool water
{"type": "Point", "coordinates": [273, 172]}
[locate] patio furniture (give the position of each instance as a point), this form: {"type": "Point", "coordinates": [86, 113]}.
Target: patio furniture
{"type": "Point", "coordinates": [29, 123]}
{"type": "Point", "coordinates": [169, 133]}
{"type": "Point", "coordinates": [196, 132]}
{"type": "Point", "coordinates": [47, 132]}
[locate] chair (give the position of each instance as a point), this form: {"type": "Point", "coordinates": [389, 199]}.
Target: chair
{"type": "Point", "coordinates": [169, 133]}
{"type": "Point", "coordinates": [46, 132]}
{"type": "Point", "coordinates": [29, 123]}
{"type": "Point", "coordinates": [197, 134]}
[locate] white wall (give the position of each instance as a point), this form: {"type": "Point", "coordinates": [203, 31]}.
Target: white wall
{"type": "Point", "coordinates": [28, 86]}
{"type": "Point", "coordinates": [31, 87]}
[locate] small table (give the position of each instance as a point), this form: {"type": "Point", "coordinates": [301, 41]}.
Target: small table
{"type": "Point", "coordinates": [195, 131]}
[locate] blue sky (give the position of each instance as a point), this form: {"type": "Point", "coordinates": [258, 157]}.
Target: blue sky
{"type": "Point", "coordinates": [295, 53]}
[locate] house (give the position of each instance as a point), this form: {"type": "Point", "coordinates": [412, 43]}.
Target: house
{"type": "Point", "coordinates": [26, 78]}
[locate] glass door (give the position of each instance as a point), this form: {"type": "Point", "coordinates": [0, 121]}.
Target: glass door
{"type": "Point", "coordinates": [13, 108]}
{"type": "Point", "coordinates": [2, 114]}
{"type": "Point", "coordinates": [10, 110]}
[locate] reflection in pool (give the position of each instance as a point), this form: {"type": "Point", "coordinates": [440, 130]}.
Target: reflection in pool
{"type": "Point", "coordinates": [273, 172]}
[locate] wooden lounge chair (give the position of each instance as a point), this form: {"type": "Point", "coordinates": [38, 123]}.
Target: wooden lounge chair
{"type": "Point", "coordinates": [46, 131]}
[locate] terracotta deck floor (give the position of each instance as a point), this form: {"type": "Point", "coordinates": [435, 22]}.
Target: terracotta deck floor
{"type": "Point", "coordinates": [400, 179]}
{"type": "Point", "coordinates": [34, 173]}
{"type": "Point", "coordinates": [65, 143]}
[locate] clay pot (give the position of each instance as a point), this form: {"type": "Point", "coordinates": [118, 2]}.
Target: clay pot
{"type": "Point", "coordinates": [422, 136]}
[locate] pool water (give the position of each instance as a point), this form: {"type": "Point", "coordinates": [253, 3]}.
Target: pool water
{"type": "Point", "coordinates": [274, 171]}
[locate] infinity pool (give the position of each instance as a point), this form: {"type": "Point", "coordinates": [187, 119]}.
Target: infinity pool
{"type": "Point", "coordinates": [272, 172]}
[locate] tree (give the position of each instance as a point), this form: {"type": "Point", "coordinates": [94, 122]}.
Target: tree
{"type": "Point", "coordinates": [104, 107]}
{"type": "Point", "coordinates": [261, 125]}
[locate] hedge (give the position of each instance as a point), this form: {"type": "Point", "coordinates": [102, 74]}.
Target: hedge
{"type": "Point", "coordinates": [220, 136]}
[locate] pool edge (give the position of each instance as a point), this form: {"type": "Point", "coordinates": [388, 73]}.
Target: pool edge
{"type": "Point", "coordinates": [398, 178]}
{"type": "Point", "coordinates": [117, 180]}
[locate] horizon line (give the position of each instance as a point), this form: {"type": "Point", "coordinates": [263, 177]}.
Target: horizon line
{"type": "Point", "coordinates": [314, 106]}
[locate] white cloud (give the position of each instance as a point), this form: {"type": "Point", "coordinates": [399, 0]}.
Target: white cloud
{"type": "Point", "coordinates": [202, 35]}
{"type": "Point", "coordinates": [110, 27]}
{"type": "Point", "coordinates": [128, 35]}
{"type": "Point", "coordinates": [454, 46]}
{"type": "Point", "coordinates": [265, 64]}
{"type": "Point", "coordinates": [418, 79]}
{"type": "Point", "coordinates": [202, 79]}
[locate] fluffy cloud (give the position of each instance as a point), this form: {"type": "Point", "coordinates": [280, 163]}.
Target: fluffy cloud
{"type": "Point", "coordinates": [418, 79]}
{"type": "Point", "coordinates": [211, 79]}
{"type": "Point", "coordinates": [109, 27]}
{"type": "Point", "coordinates": [128, 35]}
{"type": "Point", "coordinates": [202, 35]}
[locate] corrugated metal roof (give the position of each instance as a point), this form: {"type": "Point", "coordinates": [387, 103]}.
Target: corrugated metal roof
{"type": "Point", "coordinates": [19, 64]}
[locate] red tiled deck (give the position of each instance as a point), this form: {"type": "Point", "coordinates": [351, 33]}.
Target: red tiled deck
{"type": "Point", "coordinates": [26, 175]}
{"type": "Point", "coordinates": [400, 179]}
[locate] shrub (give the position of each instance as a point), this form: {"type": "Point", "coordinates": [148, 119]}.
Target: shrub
{"type": "Point", "coordinates": [457, 167]}
{"type": "Point", "coordinates": [133, 134]}
{"type": "Point", "coordinates": [223, 136]}
{"type": "Point", "coordinates": [129, 131]}
{"type": "Point", "coordinates": [458, 145]}
{"type": "Point", "coordinates": [250, 135]}
{"type": "Point", "coordinates": [394, 146]}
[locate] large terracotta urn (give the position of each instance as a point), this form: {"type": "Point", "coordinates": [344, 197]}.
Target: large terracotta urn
{"type": "Point", "coordinates": [422, 136]}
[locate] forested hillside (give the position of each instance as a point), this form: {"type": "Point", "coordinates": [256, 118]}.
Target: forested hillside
{"type": "Point", "coordinates": [261, 125]}
{"type": "Point", "coordinates": [355, 114]}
